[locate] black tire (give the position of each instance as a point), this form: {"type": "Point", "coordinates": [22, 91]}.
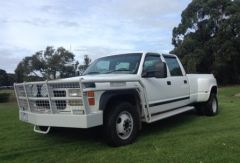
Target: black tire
{"type": "Point", "coordinates": [121, 124]}
{"type": "Point", "coordinates": [211, 106]}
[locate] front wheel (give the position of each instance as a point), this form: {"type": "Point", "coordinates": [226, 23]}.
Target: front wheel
{"type": "Point", "coordinates": [121, 124]}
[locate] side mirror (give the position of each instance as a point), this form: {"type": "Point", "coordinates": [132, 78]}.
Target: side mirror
{"type": "Point", "coordinates": [159, 70]}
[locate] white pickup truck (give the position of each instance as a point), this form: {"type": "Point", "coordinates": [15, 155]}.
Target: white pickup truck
{"type": "Point", "coordinates": [118, 92]}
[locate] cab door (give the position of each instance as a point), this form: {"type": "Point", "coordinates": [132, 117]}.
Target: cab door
{"type": "Point", "coordinates": [177, 81]}
{"type": "Point", "coordinates": [156, 88]}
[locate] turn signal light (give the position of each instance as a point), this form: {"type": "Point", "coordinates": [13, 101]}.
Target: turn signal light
{"type": "Point", "coordinates": [90, 93]}
{"type": "Point", "coordinates": [91, 101]}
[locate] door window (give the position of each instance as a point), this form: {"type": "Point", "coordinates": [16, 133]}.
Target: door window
{"type": "Point", "coordinates": [173, 66]}
{"type": "Point", "coordinates": [150, 61]}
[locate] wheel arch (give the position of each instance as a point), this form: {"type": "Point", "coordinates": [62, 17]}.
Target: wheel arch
{"type": "Point", "coordinates": [110, 97]}
{"type": "Point", "coordinates": [213, 90]}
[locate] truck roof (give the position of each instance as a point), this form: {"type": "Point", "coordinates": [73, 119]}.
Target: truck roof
{"type": "Point", "coordinates": [142, 52]}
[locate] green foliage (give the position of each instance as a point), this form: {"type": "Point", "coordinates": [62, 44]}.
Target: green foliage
{"type": "Point", "coordinates": [11, 79]}
{"type": "Point", "coordinates": [183, 138]}
{"type": "Point", "coordinates": [208, 38]}
{"type": "Point", "coordinates": [3, 78]}
{"type": "Point", "coordinates": [6, 79]}
{"type": "Point", "coordinates": [48, 64]}
{"type": "Point", "coordinates": [4, 97]}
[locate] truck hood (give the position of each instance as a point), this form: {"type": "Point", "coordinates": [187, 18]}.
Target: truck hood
{"type": "Point", "coordinates": [101, 77]}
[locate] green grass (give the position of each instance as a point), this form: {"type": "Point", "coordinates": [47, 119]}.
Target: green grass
{"type": "Point", "coordinates": [183, 138]}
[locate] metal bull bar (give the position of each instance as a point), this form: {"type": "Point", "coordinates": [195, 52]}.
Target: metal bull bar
{"type": "Point", "coordinates": [50, 96]}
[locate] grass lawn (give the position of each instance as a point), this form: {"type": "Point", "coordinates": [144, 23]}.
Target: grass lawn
{"type": "Point", "coordinates": [183, 138]}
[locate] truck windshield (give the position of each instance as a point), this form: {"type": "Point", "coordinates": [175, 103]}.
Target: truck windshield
{"type": "Point", "coordinates": [124, 64]}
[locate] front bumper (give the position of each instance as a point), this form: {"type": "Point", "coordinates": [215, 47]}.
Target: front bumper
{"type": "Point", "coordinates": [62, 120]}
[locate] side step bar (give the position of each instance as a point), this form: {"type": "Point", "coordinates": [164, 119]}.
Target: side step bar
{"type": "Point", "coordinates": [38, 130]}
{"type": "Point", "coordinates": [170, 113]}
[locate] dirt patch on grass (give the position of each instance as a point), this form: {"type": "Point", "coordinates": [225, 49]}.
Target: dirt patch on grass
{"type": "Point", "coordinates": [237, 95]}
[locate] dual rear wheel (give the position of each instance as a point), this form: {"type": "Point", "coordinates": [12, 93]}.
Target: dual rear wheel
{"type": "Point", "coordinates": [209, 108]}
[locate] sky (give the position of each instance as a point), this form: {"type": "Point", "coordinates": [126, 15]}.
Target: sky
{"type": "Point", "coordinates": [93, 27]}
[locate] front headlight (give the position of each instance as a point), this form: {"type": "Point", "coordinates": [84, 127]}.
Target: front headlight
{"type": "Point", "coordinates": [34, 90]}
{"type": "Point", "coordinates": [44, 90]}
{"type": "Point", "coordinates": [74, 93]}
{"type": "Point", "coordinates": [75, 102]}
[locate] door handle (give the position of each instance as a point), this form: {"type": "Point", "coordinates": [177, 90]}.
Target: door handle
{"type": "Point", "coordinates": [185, 81]}
{"type": "Point", "coordinates": [169, 83]}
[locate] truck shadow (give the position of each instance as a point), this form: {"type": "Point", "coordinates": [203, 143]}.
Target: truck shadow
{"type": "Point", "coordinates": [95, 135]}
{"type": "Point", "coordinates": [168, 124]}
{"type": "Point", "coordinates": [75, 134]}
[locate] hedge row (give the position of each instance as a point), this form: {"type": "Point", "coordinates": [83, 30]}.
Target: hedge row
{"type": "Point", "coordinates": [4, 97]}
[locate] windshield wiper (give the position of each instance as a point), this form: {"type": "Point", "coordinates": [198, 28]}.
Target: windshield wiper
{"type": "Point", "coordinates": [93, 72]}
{"type": "Point", "coordinates": [117, 71]}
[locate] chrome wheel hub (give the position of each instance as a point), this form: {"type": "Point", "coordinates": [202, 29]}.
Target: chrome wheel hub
{"type": "Point", "coordinates": [124, 125]}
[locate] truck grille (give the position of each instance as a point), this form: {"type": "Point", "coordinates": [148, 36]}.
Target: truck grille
{"type": "Point", "coordinates": [47, 97]}
{"type": "Point", "coordinates": [61, 104]}
{"type": "Point", "coordinates": [40, 106]}
{"type": "Point", "coordinates": [59, 93]}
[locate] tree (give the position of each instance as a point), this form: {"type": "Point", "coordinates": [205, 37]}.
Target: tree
{"type": "Point", "coordinates": [85, 64]}
{"type": "Point", "coordinates": [11, 79]}
{"type": "Point", "coordinates": [48, 64]}
{"type": "Point", "coordinates": [207, 39]}
{"type": "Point", "coordinates": [6, 79]}
{"type": "Point", "coordinates": [3, 78]}
{"type": "Point", "coordinates": [23, 70]}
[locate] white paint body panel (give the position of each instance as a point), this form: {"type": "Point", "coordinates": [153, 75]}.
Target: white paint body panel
{"type": "Point", "coordinates": [200, 86]}
{"type": "Point", "coordinates": [62, 120]}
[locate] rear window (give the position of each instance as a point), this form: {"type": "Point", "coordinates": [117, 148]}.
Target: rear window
{"type": "Point", "coordinates": [173, 66]}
